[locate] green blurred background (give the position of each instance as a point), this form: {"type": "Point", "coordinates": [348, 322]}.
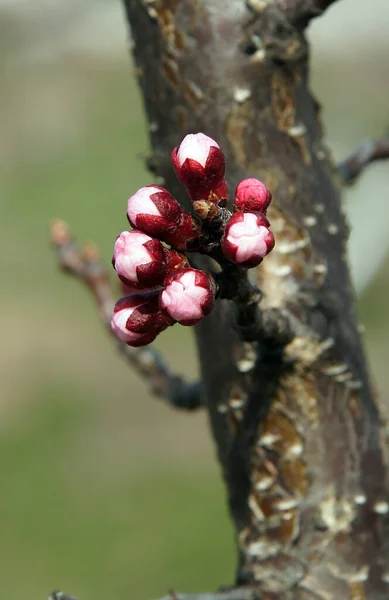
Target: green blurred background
{"type": "Point", "coordinates": [106, 492]}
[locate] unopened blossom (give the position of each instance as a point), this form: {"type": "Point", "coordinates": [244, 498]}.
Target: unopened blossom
{"type": "Point", "coordinates": [153, 210]}
{"type": "Point", "coordinates": [200, 165]}
{"type": "Point", "coordinates": [189, 295]}
{"type": "Point", "coordinates": [247, 239]}
{"type": "Point", "coordinates": [139, 260]}
{"type": "Point", "coordinates": [175, 260]}
{"type": "Point", "coordinates": [137, 319]}
{"type": "Point", "coordinates": [252, 196]}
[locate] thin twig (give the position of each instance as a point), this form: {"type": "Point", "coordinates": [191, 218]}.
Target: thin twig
{"type": "Point", "coordinates": [57, 595]}
{"type": "Point", "coordinates": [271, 327]}
{"type": "Point", "coordinates": [368, 152]}
{"type": "Point", "coordinates": [243, 593]}
{"type": "Point", "coordinates": [86, 266]}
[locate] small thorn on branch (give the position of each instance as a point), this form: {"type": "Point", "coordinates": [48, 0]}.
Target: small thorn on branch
{"type": "Point", "coordinates": [368, 152]}
{"type": "Point", "coordinates": [86, 266]}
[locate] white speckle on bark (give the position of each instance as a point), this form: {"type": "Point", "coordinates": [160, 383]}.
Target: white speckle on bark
{"type": "Point", "coordinates": [255, 509]}
{"type": "Point", "coordinates": [335, 369]}
{"type": "Point", "coordinates": [290, 247]}
{"type": "Point", "coordinates": [358, 576]}
{"type": "Point", "coordinates": [320, 268]}
{"type": "Point", "coordinates": [236, 403]}
{"type": "Point", "coordinates": [258, 56]}
{"type": "Point", "coordinates": [282, 270]}
{"type": "Point", "coordinates": [344, 377]}
{"type": "Point", "coordinates": [263, 549]}
{"type": "Point", "coordinates": [286, 503]}
{"type": "Point", "coordinates": [264, 483]}
{"type": "Point", "coordinates": [335, 514]}
{"type": "Point", "coordinates": [268, 439]}
{"type": "Point", "coordinates": [297, 130]}
{"type": "Point", "coordinates": [326, 344]}
{"type": "Point", "coordinates": [381, 508]}
{"type": "Point", "coordinates": [310, 221]}
{"type": "Point", "coordinates": [197, 91]}
{"type": "Point", "coordinates": [258, 5]}
{"type": "Point", "coordinates": [295, 450]}
{"type": "Point", "coordinates": [360, 499]}
{"type": "Point", "coordinates": [333, 229]}
{"type": "Point", "coordinates": [287, 516]}
{"type": "Point", "coordinates": [241, 95]}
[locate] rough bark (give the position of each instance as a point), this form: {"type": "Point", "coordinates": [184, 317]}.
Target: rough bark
{"type": "Point", "coordinates": [298, 432]}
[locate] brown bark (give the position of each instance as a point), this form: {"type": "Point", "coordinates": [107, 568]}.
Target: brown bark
{"type": "Point", "coordinates": [298, 431]}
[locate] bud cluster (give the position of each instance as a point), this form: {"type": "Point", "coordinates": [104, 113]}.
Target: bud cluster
{"type": "Point", "coordinates": [163, 287]}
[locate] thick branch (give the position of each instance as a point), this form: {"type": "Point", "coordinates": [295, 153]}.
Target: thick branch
{"type": "Point", "coordinates": [297, 433]}
{"type": "Point", "coordinates": [300, 12]}
{"type": "Point", "coordinates": [368, 152]}
{"type": "Point", "coordinates": [147, 362]}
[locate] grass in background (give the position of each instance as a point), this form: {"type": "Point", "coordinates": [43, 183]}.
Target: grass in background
{"type": "Point", "coordinates": [106, 493]}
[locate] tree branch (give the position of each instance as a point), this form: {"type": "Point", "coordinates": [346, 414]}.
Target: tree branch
{"type": "Point", "coordinates": [298, 434]}
{"type": "Point", "coordinates": [300, 12]}
{"type": "Point", "coordinates": [86, 266]}
{"type": "Point", "coordinates": [57, 595]}
{"type": "Point", "coordinates": [368, 152]}
{"type": "Point", "coordinates": [243, 593]}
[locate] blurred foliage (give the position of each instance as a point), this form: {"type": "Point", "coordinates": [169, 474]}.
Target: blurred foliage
{"type": "Point", "coordinates": [95, 535]}
{"type": "Point", "coordinates": [107, 493]}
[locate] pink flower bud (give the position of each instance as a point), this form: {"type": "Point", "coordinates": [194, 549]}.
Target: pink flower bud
{"type": "Point", "coordinates": [200, 165]}
{"type": "Point", "coordinates": [153, 210]}
{"type": "Point", "coordinates": [247, 239]}
{"type": "Point", "coordinates": [189, 296]}
{"type": "Point", "coordinates": [252, 196]}
{"type": "Point", "coordinates": [125, 290]}
{"type": "Point", "coordinates": [175, 260]}
{"type": "Point", "coordinates": [139, 260]}
{"type": "Point", "coordinates": [137, 318]}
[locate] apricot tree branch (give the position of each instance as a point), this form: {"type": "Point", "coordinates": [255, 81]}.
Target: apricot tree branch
{"type": "Point", "coordinates": [298, 437]}
{"type": "Point", "coordinates": [271, 326]}
{"type": "Point", "coordinates": [300, 12]}
{"type": "Point", "coordinates": [86, 266]}
{"type": "Point", "coordinates": [368, 152]}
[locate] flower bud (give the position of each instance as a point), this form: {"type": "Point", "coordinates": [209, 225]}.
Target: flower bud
{"type": "Point", "coordinates": [247, 239]}
{"type": "Point", "coordinates": [200, 165]}
{"type": "Point", "coordinates": [137, 318]}
{"type": "Point", "coordinates": [125, 290]}
{"type": "Point", "coordinates": [175, 260]}
{"type": "Point", "coordinates": [252, 196]}
{"type": "Point", "coordinates": [139, 260]}
{"type": "Point", "coordinates": [189, 295]}
{"type": "Point", "coordinates": [153, 210]}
